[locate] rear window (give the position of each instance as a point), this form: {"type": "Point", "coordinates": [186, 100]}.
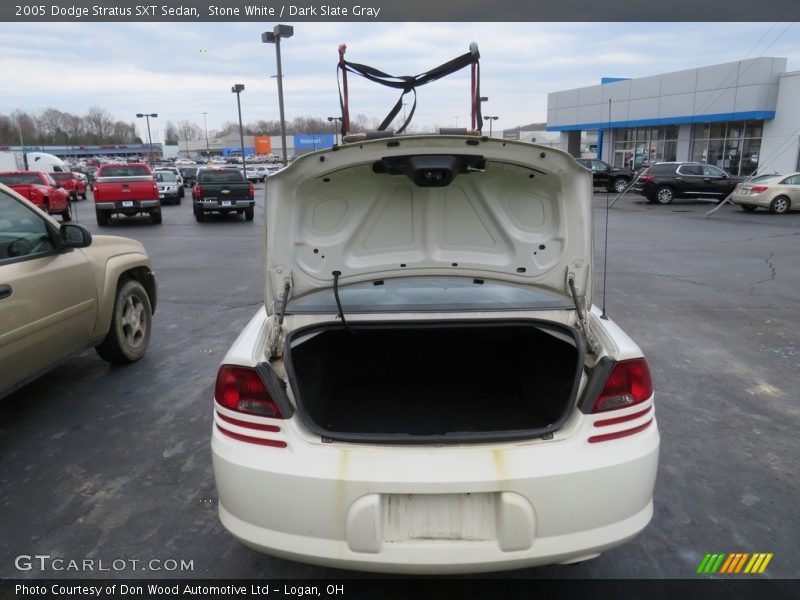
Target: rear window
{"type": "Point", "coordinates": [430, 294]}
{"type": "Point", "coordinates": [20, 178]}
{"type": "Point", "coordinates": [125, 171]}
{"type": "Point", "coordinates": [61, 176]}
{"type": "Point", "coordinates": [220, 176]}
{"type": "Point", "coordinates": [661, 169]}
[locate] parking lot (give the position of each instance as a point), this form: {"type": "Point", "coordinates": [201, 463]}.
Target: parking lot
{"type": "Point", "coordinates": [113, 463]}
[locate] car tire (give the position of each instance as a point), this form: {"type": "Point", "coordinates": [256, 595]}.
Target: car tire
{"type": "Point", "coordinates": [155, 216]}
{"type": "Point", "coordinates": [249, 213]}
{"type": "Point", "coordinates": [780, 205]}
{"type": "Point", "coordinates": [178, 200]}
{"type": "Point", "coordinates": [66, 214]}
{"type": "Point", "coordinates": [131, 322]}
{"type": "Point", "coordinates": [749, 207]}
{"type": "Point", "coordinates": [199, 215]}
{"type": "Point", "coordinates": [102, 217]}
{"type": "Point", "coordinates": [83, 196]}
{"type": "Point", "coordinates": [664, 195]}
{"type": "Point", "coordinates": [620, 184]}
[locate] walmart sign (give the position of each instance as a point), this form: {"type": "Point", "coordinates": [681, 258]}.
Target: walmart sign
{"type": "Point", "coordinates": [317, 141]}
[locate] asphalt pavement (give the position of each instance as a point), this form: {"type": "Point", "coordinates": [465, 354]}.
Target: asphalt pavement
{"type": "Point", "coordinates": [106, 463]}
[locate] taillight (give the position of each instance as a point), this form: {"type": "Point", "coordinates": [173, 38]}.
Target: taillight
{"type": "Point", "coordinates": [198, 191]}
{"type": "Point", "coordinates": [628, 384]}
{"type": "Point", "coordinates": [241, 389]}
{"type": "Point", "coordinates": [251, 192]}
{"type": "Point", "coordinates": [647, 177]}
{"type": "Point", "coordinates": [757, 189]}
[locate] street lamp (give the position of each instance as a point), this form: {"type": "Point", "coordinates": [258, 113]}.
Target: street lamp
{"type": "Point", "coordinates": [333, 120]}
{"type": "Point", "coordinates": [490, 119]}
{"type": "Point", "coordinates": [149, 139]}
{"type": "Point", "coordinates": [238, 89]}
{"type": "Point", "coordinates": [205, 126]}
{"type": "Point", "coordinates": [274, 37]}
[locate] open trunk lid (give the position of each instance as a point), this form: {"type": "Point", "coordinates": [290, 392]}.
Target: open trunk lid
{"type": "Point", "coordinates": [429, 205]}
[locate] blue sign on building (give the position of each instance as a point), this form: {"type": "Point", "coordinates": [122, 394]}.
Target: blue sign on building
{"type": "Point", "coordinates": [316, 141]}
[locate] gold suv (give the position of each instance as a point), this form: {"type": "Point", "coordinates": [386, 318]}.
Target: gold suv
{"type": "Point", "coordinates": [63, 290]}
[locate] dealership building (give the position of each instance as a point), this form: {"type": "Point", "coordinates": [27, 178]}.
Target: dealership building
{"type": "Point", "coordinates": [740, 116]}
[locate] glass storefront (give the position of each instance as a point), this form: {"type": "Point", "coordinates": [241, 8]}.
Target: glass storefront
{"type": "Point", "coordinates": [636, 146]}
{"type": "Point", "coordinates": [733, 146]}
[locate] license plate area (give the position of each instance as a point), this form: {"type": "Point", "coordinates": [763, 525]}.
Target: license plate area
{"type": "Point", "coordinates": [127, 203]}
{"type": "Point", "coordinates": [420, 517]}
{"type": "Point", "coordinates": [226, 203]}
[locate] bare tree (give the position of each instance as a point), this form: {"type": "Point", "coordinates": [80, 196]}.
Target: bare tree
{"type": "Point", "coordinates": [171, 135]}
{"type": "Point", "coordinates": [188, 131]}
{"type": "Point", "coordinates": [98, 123]}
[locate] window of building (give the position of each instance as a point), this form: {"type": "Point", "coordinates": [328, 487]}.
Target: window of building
{"type": "Point", "coordinates": [634, 147]}
{"type": "Point", "coordinates": [733, 146]}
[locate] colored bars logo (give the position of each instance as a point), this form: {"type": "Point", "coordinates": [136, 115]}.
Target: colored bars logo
{"type": "Point", "coordinates": [735, 563]}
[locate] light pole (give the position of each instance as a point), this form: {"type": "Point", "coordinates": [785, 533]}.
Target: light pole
{"type": "Point", "coordinates": [149, 139]}
{"type": "Point", "coordinates": [205, 126]}
{"type": "Point", "coordinates": [456, 118]}
{"type": "Point", "coordinates": [274, 37]}
{"type": "Point", "coordinates": [333, 120]}
{"type": "Point", "coordinates": [491, 120]}
{"type": "Point", "coordinates": [238, 89]}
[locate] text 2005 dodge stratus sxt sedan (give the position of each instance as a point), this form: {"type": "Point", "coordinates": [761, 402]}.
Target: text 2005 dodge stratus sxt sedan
{"type": "Point", "coordinates": [425, 390]}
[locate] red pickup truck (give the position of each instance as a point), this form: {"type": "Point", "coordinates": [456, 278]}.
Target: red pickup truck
{"type": "Point", "coordinates": [74, 186]}
{"type": "Point", "coordinates": [41, 189]}
{"type": "Point", "coordinates": [125, 190]}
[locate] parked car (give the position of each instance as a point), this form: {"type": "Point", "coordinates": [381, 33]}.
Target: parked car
{"type": "Point", "coordinates": [168, 190]}
{"type": "Point", "coordinates": [665, 181]}
{"type": "Point", "coordinates": [257, 174]}
{"type": "Point", "coordinates": [41, 189]}
{"type": "Point", "coordinates": [777, 193]}
{"type": "Point", "coordinates": [175, 171]}
{"type": "Point", "coordinates": [62, 291]}
{"type": "Point", "coordinates": [614, 179]}
{"type": "Point", "coordinates": [428, 388]}
{"type": "Point", "coordinates": [223, 190]}
{"type": "Point", "coordinates": [72, 183]}
{"type": "Point", "coordinates": [189, 175]}
{"type": "Point", "coordinates": [184, 161]}
{"type": "Point", "coordinates": [127, 190]}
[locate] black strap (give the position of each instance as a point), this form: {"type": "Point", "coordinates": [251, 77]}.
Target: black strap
{"type": "Point", "coordinates": [407, 83]}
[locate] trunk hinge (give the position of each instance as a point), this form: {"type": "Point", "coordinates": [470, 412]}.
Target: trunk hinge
{"type": "Point", "coordinates": [583, 325]}
{"type": "Point", "coordinates": [275, 333]}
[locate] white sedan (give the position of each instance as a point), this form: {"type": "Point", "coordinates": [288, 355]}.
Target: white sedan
{"type": "Point", "coordinates": [428, 388]}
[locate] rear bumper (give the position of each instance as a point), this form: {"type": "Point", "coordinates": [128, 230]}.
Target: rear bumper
{"type": "Point", "coordinates": [435, 509]}
{"type": "Point", "coordinates": [762, 200]}
{"type": "Point", "coordinates": [218, 205]}
{"type": "Point", "coordinates": [135, 204]}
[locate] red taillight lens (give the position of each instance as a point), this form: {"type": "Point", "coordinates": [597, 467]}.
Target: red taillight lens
{"type": "Point", "coordinates": [251, 192]}
{"type": "Point", "coordinates": [628, 384]}
{"type": "Point", "coordinates": [757, 189]}
{"type": "Point", "coordinates": [241, 389]}
{"type": "Point", "coordinates": [648, 177]}
{"type": "Point", "coordinates": [198, 191]}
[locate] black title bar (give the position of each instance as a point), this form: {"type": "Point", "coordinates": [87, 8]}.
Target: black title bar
{"type": "Point", "coordinates": [397, 11]}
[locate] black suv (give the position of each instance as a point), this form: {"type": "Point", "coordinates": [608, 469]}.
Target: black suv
{"type": "Point", "coordinates": [663, 182]}
{"type": "Point", "coordinates": [614, 179]}
{"type": "Point", "coordinates": [189, 175]}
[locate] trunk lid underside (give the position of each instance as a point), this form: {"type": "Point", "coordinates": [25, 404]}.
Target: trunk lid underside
{"type": "Point", "coordinates": [504, 210]}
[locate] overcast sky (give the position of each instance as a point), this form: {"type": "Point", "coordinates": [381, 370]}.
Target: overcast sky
{"type": "Point", "coordinates": [180, 70]}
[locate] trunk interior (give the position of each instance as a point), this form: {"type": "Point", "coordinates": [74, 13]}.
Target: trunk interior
{"type": "Point", "coordinates": [422, 382]}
